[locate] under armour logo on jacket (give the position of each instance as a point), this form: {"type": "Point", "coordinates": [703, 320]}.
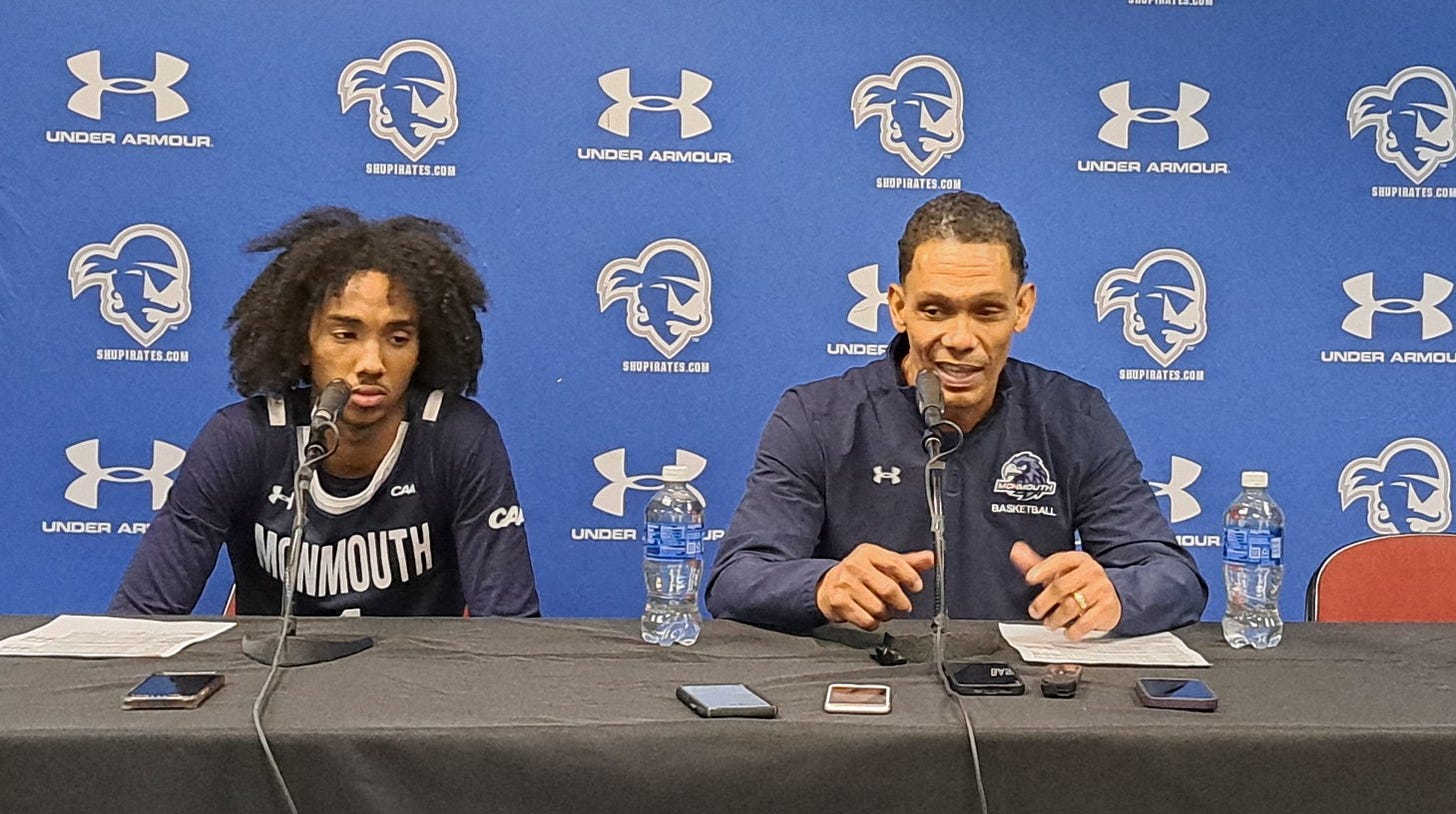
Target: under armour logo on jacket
{"type": "Point", "coordinates": [168, 103]}
{"type": "Point", "coordinates": [617, 118]}
{"type": "Point", "coordinates": [86, 457]}
{"type": "Point", "coordinates": [1191, 99]}
{"type": "Point", "coordinates": [1361, 321]}
{"type": "Point", "coordinates": [892, 474]}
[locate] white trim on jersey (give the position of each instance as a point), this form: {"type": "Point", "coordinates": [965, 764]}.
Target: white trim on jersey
{"type": "Point", "coordinates": [432, 406]}
{"type": "Point", "coordinates": [329, 504]}
{"type": "Point", "coordinates": [277, 412]}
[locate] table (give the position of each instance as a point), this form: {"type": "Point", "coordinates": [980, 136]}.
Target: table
{"type": "Point", "coordinates": [562, 715]}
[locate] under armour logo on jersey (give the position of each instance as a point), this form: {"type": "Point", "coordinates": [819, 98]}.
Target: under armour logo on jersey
{"type": "Point", "coordinates": [1361, 321]}
{"type": "Point", "coordinates": [276, 496]}
{"type": "Point", "coordinates": [612, 465]}
{"type": "Point", "coordinates": [1181, 504]}
{"type": "Point", "coordinates": [1406, 488]}
{"type": "Point", "coordinates": [168, 104]}
{"type": "Point", "coordinates": [1414, 117]}
{"type": "Point", "coordinates": [1191, 99]}
{"type": "Point", "coordinates": [865, 314]}
{"type": "Point", "coordinates": [86, 457]}
{"type": "Point", "coordinates": [143, 276]}
{"type": "Point", "coordinates": [892, 474]}
{"type": "Point", "coordinates": [617, 118]}
{"type": "Point", "coordinates": [921, 108]}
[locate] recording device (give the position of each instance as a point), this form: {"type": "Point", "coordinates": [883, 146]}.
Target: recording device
{"type": "Point", "coordinates": [172, 691]}
{"type": "Point", "coordinates": [984, 678]}
{"type": "Point", "coordinates": [930, 401]}
{"type": "Point", "coordinates": [1176, 693]}
{"type": "Point", "coordinates": [1060, 680]}
{"type": "Point", "coordinates": [858, 699]}
{"type": "Point", "coordinates": [331, 402]}
{"type": "Point", "coordinates": [725, 701]}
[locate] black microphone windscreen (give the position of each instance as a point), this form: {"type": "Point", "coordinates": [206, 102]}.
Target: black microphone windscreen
{"type": "Point", "coordinates": [331, 401]}
{"type": "Point", "coordinates": [928, 397]}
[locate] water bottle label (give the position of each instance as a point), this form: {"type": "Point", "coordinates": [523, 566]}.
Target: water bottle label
{"type": "Point", "coordinates": [1247, 547]}
{"type": "Point", "coordinates": [674, 540]}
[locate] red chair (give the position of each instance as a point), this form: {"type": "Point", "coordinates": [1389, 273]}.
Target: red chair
{"type": "Point", "coordinates": [1399, 578]}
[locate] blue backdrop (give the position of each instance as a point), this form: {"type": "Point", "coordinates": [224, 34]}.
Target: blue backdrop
{"type": "Point", "coordinates": [1239, 216]}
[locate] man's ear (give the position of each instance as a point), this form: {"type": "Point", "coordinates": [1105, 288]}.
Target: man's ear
{"type": "Point", "coordinates": [1025, 304]}
{"type": "Point", "coordinates": [895, 299]}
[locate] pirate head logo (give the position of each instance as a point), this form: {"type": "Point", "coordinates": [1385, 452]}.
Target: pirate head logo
{"type": "Point", "coordinates": [1164, 303]}
{"type": "Point", "coordinates": [667, 290]}
{"type": "Point", "coordinates": [1025, 477]}
{"type": "Point", "coordinates": [920, 106]}
{"type": "Point", "coordinates": [411, 94]}
{"type": "Point", "coordinates": [143, 276]}
{"type": "Point", "coordinates": [1412, 115]}
{"type": "Point", "coordinates": [1406, 488]}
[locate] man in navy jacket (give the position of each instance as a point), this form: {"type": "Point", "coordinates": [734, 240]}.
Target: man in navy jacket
{"type": "Point", "coordinates": [834, 524]}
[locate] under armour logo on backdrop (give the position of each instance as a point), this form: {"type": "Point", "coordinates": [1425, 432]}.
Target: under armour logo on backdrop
{"type": "Point", "coordinates": [86, 457]}
{"type": "Point", "coordinates": [1361, 321]}
{"type": "Point", "coordinates": [892, 474]}
{"type": "Point", "coordinates": [865, 314]}
{"type": "Point", "coordinates": [617, 118]}
{"type": "Point", "coordinates": [1181, 504]}
{"type": "Point", "coordinates": [168, 104]}
{"type": "Point", "coordinates": [612, 465]}
{"type": "Point", "coordinates": [1191, 99]}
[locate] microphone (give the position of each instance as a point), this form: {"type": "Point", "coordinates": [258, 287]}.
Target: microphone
{"type": "Point", "coordinates": [929, 399]}
{"type": "Point", "coordinates": [325, 415]}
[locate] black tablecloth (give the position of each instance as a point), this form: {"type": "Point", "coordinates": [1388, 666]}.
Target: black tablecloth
{"type": "Point", "coordinates": [580, 715]}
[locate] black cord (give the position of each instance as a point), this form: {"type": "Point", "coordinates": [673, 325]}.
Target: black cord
{"type": "Point", "coordinates": [301, 483]}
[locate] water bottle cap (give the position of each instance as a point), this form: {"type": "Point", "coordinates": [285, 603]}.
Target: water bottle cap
{"type": "Point", "coordinates": [1254, 479]}
{"type": "Point", "coordinates": [676, 473]}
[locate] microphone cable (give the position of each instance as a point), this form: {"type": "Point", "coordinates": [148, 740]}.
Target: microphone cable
{"type": "Point", "coordinates": [934, 474]}
{"type": "Point", "coordinates": [303, 479]}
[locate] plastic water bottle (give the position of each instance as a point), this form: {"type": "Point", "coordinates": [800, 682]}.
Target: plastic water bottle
{"type": "Point", "coordinates": [1253, 565]}
{"type": "Point", "coordinates": [672, 562]}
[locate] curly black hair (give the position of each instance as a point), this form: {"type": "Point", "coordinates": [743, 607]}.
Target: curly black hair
{"type": "Point", "coordinates": [968, 218]}
{"type": "Point", "coordinates": [320, 251]}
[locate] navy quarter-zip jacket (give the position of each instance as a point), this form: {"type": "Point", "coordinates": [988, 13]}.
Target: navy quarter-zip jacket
{"type": "Point", "coordinates": [841, 463]}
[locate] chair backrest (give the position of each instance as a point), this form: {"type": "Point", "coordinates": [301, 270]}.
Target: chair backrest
{"type": "Point", "coordinates": [1399, 578]}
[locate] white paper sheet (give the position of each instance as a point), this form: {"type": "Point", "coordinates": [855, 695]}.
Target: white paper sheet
{"type": "Point", "coordinates": [106, 637]}
{"type": "Point", "coordinates": [1037, 645]}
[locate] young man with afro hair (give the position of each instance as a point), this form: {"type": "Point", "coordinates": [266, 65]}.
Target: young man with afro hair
{"type": "Point", "coordinates": [415, 512]}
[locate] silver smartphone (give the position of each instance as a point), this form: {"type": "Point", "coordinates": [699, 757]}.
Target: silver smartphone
{"type": "Point", "coordinates": [725, 701]}
{"type": "Point", "coordinates": [172, 691]}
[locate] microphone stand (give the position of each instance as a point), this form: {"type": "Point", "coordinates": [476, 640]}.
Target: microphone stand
{"type": "Point", "coordinates": [286, 648]}
{"type": "Point", "coordinates": [934, 486]}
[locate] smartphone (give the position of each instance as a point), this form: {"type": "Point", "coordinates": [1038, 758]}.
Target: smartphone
{"type": "Point", "coordinates": [862, 699]}
{"type": "Point", "coordinates": [725, 701]}
{"type": "Point", "coordinates": [1176, 693]}
{"type": "Point", "coordinates": [984, 678]}
{"type": "Point", "coordinates": [172, 691]}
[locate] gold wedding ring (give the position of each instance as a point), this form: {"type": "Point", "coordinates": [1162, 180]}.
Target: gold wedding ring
{"type": "Point", "coordinates": [1079, 599]}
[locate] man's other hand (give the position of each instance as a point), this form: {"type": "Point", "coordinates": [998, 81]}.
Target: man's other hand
{"type": "Point", "coordinates": [869, 586]}
{"type": "Point", "coordinates": [1076, 593]}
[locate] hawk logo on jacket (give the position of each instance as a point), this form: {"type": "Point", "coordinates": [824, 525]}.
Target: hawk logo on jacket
{"type": "Point", "coordinates": [1025, 477]}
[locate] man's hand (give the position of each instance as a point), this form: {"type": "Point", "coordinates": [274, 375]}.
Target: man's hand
{"type": "Point", "coordinates": [1077, 595]}
{"type": "Point", "coordinates": [869, 586]}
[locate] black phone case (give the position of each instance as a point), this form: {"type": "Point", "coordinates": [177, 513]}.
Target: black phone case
{"type": "Point", "coordinates": [1016, 687]}
{"type": "Point", "coordinates": [1189, 704]}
